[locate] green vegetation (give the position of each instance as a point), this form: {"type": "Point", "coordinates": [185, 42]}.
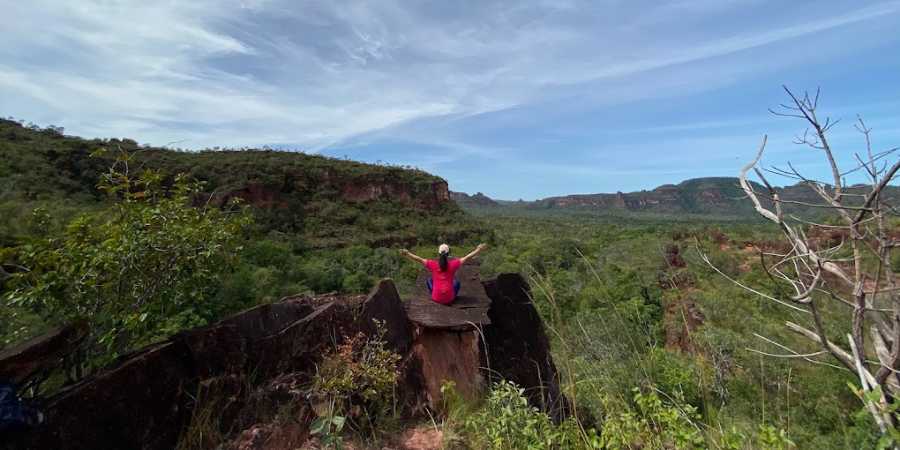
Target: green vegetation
{"type": "Point", "coordinates": [696, 200]}
{"type": "Point", "coordinates": [77, 240]}
{"type": "Point", "coordinates": [609, 298]}
{"type": "Point", "coordinates": [137, 271]}
{"type": "Point", "coordinates": [321, 202]}
{"type": "Point", "coordinates": [357, 381]}
{"type": "Point", "coordinates": [505, 420]}
{"type": "Point", "coordinates": [147, 252]}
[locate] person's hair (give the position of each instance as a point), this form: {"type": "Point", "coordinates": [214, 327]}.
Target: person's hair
{"type": "Point", "coordinates": [443, 261]}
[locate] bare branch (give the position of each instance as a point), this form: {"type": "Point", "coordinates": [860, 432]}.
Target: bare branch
{"type": "Point", "coordinates": [866, 236]}
{"type": "Point", "coordinates": [840, 354]}
{"type": "Point", "coordinates": [749, 190]}
{"type": "Point", "coordinates": [891, 173]}
{"type": "Point", "coordinates": [868, 384]}
{"type": "Point", "coordinates": [794, 353]}
{"type": "Point", "coordinates": [780, 302]}
{"type": "Point", "coordinates": [804, 297]}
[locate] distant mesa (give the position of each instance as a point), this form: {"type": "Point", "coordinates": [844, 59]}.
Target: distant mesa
{"type": "Point", "coordinates": [334, 202]}
{"type": "Point", "coordinates": [477, 200]}
{"type": "Point", "coordinates": [715, 197]}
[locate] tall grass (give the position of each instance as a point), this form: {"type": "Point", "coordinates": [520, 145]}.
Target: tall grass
{"type": "Point", "coordinates": [626, 390]}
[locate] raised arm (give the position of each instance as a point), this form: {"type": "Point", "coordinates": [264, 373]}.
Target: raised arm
{"type": "Point", "coordinates": [477, 250]}
{"type": "Point", "coordinates": [411, 256]}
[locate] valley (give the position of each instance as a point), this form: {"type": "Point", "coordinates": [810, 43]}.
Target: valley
{"type": "Point", "coordinates": [620, 280]}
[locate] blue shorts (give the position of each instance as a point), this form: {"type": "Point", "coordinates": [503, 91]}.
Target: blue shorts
{"type": "Point", "coordinates": [14, 414]}
{"type": "Point", "coordinates": [429, 283]}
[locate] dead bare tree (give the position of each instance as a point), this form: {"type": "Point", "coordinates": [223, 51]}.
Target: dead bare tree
{"type": "Point", "coordinates": [854, 274]}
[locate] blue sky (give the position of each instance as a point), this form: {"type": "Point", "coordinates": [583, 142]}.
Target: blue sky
{"type": "Point", "coordinates": [520, 99]}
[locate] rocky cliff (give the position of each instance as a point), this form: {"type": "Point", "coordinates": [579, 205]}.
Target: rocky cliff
{"type": "Point", "coordinates": [329, 201]}
{"type": "Point", "coordinates": [715, 197]}
{"type": "Point", "coordinates": [699, 195]}
{"type": "Point", "coordinates": [246, 368]}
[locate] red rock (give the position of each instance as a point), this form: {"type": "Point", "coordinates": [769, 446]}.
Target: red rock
{"type": "Point", "coordinates": [21, 362]}
{"type": "Point", "coordinates": [147, 398]}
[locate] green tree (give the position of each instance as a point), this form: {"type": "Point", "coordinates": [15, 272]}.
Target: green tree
{"type": "Point", "coordinates": [137, 271]}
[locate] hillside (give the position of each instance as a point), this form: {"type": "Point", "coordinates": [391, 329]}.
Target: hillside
{"type": "Point", "coordinates": [698, 198]}
{"type": "Point", "coordinates": [329, 202]}
{"type": "Point", "coordinates": [633, 306]}
{"type": "Point", "coordinates": [472, 201]}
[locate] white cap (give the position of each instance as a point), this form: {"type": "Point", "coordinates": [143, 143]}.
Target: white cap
{"type": "Point", "coordinates": [444, 248]}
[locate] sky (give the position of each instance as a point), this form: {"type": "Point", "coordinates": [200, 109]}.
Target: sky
{"type": "Point", "coordinates": [524, 99]}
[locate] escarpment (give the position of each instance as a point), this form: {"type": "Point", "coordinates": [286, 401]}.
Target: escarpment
{"type": "Point", "coordinates": [302, 181]}
{"type": "Point", "coordinates": [329, 202]}
{"type": "Point", "coordinates": [254, 361]}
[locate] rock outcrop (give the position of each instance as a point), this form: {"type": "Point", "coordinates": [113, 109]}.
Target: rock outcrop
{"type": "Point", "coordinates": [351, 190]}
{"type": "Point", "coordinates": [701, 195]}
{"type": "Point", "coordinates": [147, 398]}
{"type": "Point", "coordinates": [518, 345]}
{"type": "Point", "coordinates": [719, 197]}
{"type": "Point", "coordinates": [328, 202]}
{"type": "Point", "coordinates": [27, 360]}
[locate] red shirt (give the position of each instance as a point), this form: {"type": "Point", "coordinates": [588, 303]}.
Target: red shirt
{"type": "Point", "coordinates": [442, 291]}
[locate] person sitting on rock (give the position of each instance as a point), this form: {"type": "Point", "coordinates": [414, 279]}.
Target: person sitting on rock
{"type": "Point", "coordinates": [443, 285]}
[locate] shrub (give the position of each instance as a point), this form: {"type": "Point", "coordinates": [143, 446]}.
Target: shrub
{"type": "Point", "coordinates": [677, 374]}
{"type": "Point", "coordinates": [355, 381]}
{"type": "Point", "coordinates": [652, 424]}
{"type": "Point", "coordinates": [507, 421]}
{"type": "Point", "coordinates": [141, 269]}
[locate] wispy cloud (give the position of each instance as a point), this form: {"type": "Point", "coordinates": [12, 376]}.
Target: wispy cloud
{"type": "Point", "coordinates": [476, 81]}
{"type": "Point", "coordinates": [740, 42]}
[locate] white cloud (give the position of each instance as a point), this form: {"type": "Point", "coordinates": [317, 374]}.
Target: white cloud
{"type": "Point", "coordinates": [316, 73]}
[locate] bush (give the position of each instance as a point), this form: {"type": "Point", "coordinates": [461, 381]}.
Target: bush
{"type": "Point", "coordinates": [677, 375]}
{"type": "Point", "coordinates": [356, 381]}
{"type": "Point", "coordinates": [138, 271]}
{"type": "Point", "coordinates": [652, 424]}
{"type": "Point", "coordinates": [507, 421]}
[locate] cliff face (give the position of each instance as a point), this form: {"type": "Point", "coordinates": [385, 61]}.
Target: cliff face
{"type": "Point", "coordinates": [695, 196]}
{"type": "Point", "coordinates": [429, 197]}
{"type": "Point", "coordinates": [254, 365]}
{"type": "Point", "coordinates": [713, 197]}
{"type": "Point", "coordinates": [274, 179]}
{"type": "Point", "coordinates": [357, 191]}
{"type": "Point", "coordinates": [329, 201]}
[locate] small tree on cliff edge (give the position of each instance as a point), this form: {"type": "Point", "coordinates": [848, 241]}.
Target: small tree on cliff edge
{"type": "Point", "coordinates": [847, 291]}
